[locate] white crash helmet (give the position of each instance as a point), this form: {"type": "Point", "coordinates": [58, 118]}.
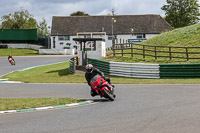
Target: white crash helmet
{"type": "Point", "coordinates": [89, 68]}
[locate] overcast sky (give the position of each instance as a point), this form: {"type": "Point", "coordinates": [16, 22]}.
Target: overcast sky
{"type": "Point", "coordinates": [49, 8]}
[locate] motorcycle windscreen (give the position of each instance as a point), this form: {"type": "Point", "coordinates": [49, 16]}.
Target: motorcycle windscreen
{"type": "Point", "coordinates": [95, 80]}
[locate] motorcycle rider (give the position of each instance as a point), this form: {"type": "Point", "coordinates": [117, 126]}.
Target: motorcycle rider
{"type": "Point", "coordinates": [10, 58]}
{"type": "Point", "coordinates": [90, 73]}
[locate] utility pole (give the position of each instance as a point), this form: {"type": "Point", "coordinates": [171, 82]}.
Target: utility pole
{"type": "Point", "coordinates": [113, 11]}
{"type": "Point", "coordinates": [112, 24]}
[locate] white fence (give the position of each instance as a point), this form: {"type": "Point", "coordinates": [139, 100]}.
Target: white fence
{"type": "Point", "coordinates": [25, 46]}
{"type": "Point", "coordinates": [57, 51]}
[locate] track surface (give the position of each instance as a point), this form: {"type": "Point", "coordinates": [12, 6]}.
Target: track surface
{"type": "Point", "coordinates": [137, 108]}
{"type": "Point", "coordinates": [24, 62]}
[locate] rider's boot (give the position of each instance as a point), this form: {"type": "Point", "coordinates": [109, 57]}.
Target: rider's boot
{"type": "Point", "coordinates": [93, 93]}
{"type": "Point", "coordinates": [113, 86]}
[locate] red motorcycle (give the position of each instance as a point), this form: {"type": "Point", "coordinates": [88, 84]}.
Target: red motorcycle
{"type": "Point", "coordinates": [102, 87]}
{"type": "Point", "coordinates": [12, 61]}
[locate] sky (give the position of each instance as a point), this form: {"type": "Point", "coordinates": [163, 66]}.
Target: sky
{"type": "Point", "coordinates": [48, 8]}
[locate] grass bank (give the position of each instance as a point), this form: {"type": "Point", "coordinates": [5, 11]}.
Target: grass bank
{"type": "Point", "coordinates": [184, 37]}
{"type": "Point", "coordinates": [25, 103]}
{"type": "Point", "coordinates": [181, 37]}
{"type": "Point", "coordinates": [59, 73]}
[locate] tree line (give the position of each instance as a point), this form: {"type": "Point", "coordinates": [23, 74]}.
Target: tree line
{"type": "Point", "coordinates": [24, 20]}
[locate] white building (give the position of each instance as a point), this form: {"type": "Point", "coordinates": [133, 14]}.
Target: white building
{"type": "Point", "coordinates": [126, 27]}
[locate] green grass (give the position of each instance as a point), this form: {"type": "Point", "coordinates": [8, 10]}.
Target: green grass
{"type": "Point", "coordinates": [182, 37]}
{"type": "Point", "coordinates": [25, 103]}
{"type": "Point", "coordinates": [56, 73]}
{"type": "Point", "coordinates": [147, 59]}
{"type": "Point", "coordinates": [18, 52]}
{"type": "Point", "coordinates": [59, 73]}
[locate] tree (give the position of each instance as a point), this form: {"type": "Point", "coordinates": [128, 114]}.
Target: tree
{"type": "Point", "coordinates": [180, 13]}
{"type": "Point", "coordinates": [79, 13]}
{"type": "Point", "coordinates": [24, 20]}
{"type": "Point", "coordinates": [19, 20]}
{"type": "Point", "coordinates": [42, 28]}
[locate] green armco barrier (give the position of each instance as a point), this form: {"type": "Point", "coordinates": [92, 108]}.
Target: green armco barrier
{"type": "Point", "coordinates": [71, 66]}
{"type": "Point", "coordinates": [178, 71]}
{"type": "Point", "coordinates": [101, 65]}
{"type": "Point", "coordinates": [165, 71]}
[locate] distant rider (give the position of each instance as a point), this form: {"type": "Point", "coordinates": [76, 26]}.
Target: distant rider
{"type": "Point", "coordinates": [10, 58]}
{"type": "Point", "coordinates": [90, 73]}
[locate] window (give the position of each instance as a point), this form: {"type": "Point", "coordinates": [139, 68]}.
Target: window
{"type": "Point", "coordinates": [61, 43]}
{"type": "Point", "coordinates": [66, 37]}
{"type": "Point", "coordinates": [62, 38]}
{"type": "Point", "coordinates": [140, 36]}
{"type": "Point", "coordinates": [87, 36]}
{"type": "Point", "coordinates": [54, 42]}
{"type": "Point", "coordinates": [110, 37]}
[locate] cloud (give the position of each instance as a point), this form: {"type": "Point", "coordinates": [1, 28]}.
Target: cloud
{"type": "Point", "coordinates": [49, 8]}
{"type": "Point", "coordinates": [128, 7]}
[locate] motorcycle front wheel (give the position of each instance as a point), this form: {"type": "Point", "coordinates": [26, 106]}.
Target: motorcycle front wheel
{"type": "Point", "coordinates": [108, 95]}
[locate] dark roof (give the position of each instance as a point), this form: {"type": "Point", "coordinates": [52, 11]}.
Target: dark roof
{"type": "Point", "coordinates": [70, 25]}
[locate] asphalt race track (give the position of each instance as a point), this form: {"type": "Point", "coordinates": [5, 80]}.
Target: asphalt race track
{"type": "Point", "coordinates": [24, 62]}
{"type": "Point", "coordinates": [136, 109]}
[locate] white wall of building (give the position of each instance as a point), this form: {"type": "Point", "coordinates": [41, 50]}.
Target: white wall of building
{"type": "Point", "coordinates": [126, 37]}
{"type": "Point", "coordinates": [61, 44]}
{"type": "Point", "coordinates": [97, 53]}
{"type": "Point", "coordinates": [100, 51]}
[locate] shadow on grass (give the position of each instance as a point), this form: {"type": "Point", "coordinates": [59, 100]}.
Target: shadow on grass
{"type": "Point", "coordinates": [62, 72]}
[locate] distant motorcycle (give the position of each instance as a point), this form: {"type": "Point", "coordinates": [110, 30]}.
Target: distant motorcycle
{"type": "Point", "coordinates": [101, 87]}
{"type": "Point", "coordinates": [12, 61]}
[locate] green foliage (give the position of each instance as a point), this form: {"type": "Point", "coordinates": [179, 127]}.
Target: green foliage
{"type": "Point", "coordinates": [180, 37]}
{"type": "Point", "coordinates": [24, 20]}
{"type": "Point", "coordinates": [19, 20]}
{"type": "Point", "coordinates": [185, 37]}
{"type": "Point", "coordinates": [43, 28]}
{"type": "Point", "coordinates": [180, 13]}
{"type": "Point", "coordinates": [79, 13]}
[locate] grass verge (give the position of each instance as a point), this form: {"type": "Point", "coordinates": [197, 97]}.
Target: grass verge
{"type": "Point", "coordinates": [148, 59]}
{"type": "Point", "coordinates": [17, 52]}
{"type": "Point", "coordinates": [56, 73]}
{"type": "Point", "coordinates": [59, 73]}
{"type": "Point", "coordinates": [25, 103]}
